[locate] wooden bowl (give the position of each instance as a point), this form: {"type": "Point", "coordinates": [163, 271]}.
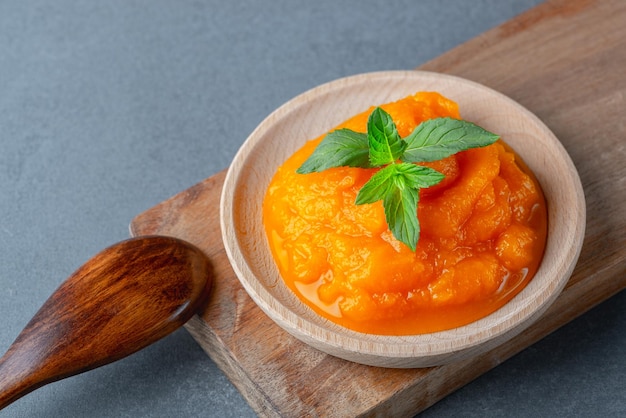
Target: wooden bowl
{"type": "Point", "coordinates": [319, 110]}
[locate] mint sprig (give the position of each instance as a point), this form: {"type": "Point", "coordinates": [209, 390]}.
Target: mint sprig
{"type": "Point", "coordinates": [398, 182]}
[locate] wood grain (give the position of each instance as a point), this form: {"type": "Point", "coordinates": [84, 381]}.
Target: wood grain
{"type": "Point", "coordinates": [564, 61]}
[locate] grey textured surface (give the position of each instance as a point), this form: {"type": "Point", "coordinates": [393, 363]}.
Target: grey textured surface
{"type": "Point", "coordinates": [108, 108]}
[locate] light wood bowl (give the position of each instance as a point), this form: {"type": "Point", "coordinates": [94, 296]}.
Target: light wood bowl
{"type": "Point", "coordinates": [319, 110]}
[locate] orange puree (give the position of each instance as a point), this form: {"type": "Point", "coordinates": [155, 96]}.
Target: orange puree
{"type": "Point", "coordinates": [483, 231]}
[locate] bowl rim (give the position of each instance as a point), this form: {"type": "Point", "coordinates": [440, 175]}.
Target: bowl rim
{"type": "Point", "coordinates": [415, 350]}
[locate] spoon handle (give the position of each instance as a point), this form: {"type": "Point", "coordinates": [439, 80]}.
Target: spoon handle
{"type": "Point", "coordinates": [123, 299]}
{"type": "Point", "coordinates": [16, 377]}
{"type": "Point", "coordinates": [12, 383]}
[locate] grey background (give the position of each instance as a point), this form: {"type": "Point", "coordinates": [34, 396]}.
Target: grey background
{"type": "Point", "coordinates": [108, 108]}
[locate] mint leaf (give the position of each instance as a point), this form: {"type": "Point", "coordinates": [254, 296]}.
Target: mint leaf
{"type": "Point", "coordinates": [385, 144]}
{"type": "Point", "coordinates": [416, 176]}
{"type": "Point", "coordinates": [439, 138]}
{"type": "Point", "coordinates": [339, 148]}
{"type": "Point", "coordinates": [401, 213]}
{"type": "Point", "coordinates": [377, 186]}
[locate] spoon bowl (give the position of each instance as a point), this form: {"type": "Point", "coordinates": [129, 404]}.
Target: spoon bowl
{"type": "Point", "coordinates": [123, 299]}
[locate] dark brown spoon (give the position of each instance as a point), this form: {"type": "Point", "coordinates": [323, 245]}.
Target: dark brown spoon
{"type": "Point", "coordinates": [123, 299]}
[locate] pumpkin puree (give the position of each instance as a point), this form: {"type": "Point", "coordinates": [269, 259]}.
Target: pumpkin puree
{"type": "Point", "coordinates": [483, 232]}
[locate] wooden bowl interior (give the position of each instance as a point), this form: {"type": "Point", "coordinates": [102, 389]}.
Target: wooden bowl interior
{"type": "Point", "coordinates": [319, 110]}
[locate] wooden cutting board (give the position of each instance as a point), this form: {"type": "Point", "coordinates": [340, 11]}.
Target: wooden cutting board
{"type": "Point", "coordinates": [565, 61]}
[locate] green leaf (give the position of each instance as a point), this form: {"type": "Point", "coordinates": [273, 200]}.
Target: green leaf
{"type": "Point", "coordinates": [439, 138]}
{"type": "Point", "coordinates": [377, 186]}
{"type": "Point", "coordinates": [401, 213]}
{"type": "Point", "coordinates": [385, 144]}
{"type": "Point", "coordinates": [342, 147]}
{"type": "Point", "coordinates": [416, 176]}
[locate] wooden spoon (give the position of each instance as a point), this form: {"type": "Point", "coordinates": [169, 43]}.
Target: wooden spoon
{"type": "Point", "coordinates": [123, 299]}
